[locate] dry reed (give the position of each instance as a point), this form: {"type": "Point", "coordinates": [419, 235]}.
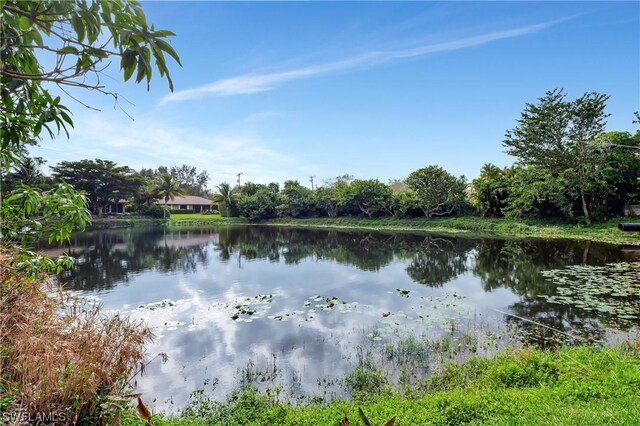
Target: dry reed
{"type": "Point", "coordinates": [58, 355]}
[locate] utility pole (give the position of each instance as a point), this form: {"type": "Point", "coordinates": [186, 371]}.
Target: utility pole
{"type": "Point", "coordinates": [311, 180]}
{"type": "Point", "coordinates": [239, 174]}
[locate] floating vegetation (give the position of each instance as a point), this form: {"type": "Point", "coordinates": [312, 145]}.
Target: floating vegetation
{"type": "Point", "coordinates": [249, 308]}
{"type": "Point", "coordinates": [314, 304]}
{"type": "Point", "coordinates": [163, 304]}
{"type": "Point", "coordinates": [433, 312]}
{"type": "Point", "coordinates": [612, 291]}
{"type": "Point", "coordinates": [403, 293]}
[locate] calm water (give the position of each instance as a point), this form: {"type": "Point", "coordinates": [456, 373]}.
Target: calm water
{"type": "Point", "coordinates": [219, 298]}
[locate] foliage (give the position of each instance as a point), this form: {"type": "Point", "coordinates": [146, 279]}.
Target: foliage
{"type": "Point", "coordinates": [490, 190]}
{"type": "Point", "coordinates": [469, 226]}
{"type": "Point", "coordinates": [103, 181]}
{"type": "Point", "coordinates": [536, 192]}
{"type": "Point", "coordinates": [153, 210]}
{"type": "Point", "coordinates": [558, 136]}
{"type": "Point", "coordinates": [167, 187]}
{"type": "Point", "coordinates": [72, 38]}
{"type": "Point", "coordinates": [613, 290]}
{"type": "Point", "coordinates": [575, 385]}
{"type": "Point", "coordinates": [370, 196]}
{"type": "Point", "coordinates": [56, 361]}
{"type": "Point", "coordinates": [366, 381]}
{"type": "Point", "coordinates": [330, 199]}
{"type": "Point", "coordinates": [225, 197]}
{"type": "Point", "coordinates": [438, 192]}
{"type": "Point", "coordinates": [25, 171]}
{"type": "Point", "coordinates": [190, 181]}
{"type": "Point", "coordinates": [258, 202]}
{"type": "Point", "coordinates": [404, 202]}
{"type": "Point", "coordinates": [62, 358]}
{"type": "Point", "coordinates": [146, 193]}
{"type": "Point", "coordinates": [296, 200]}
{"type": "Point", "coordinates": [622, 172]}
{"type": "Point", "coordinates": [29, 215]}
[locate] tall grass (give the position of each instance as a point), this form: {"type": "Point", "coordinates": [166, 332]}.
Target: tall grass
{"type": "Point", "coordinates": [60, 356]}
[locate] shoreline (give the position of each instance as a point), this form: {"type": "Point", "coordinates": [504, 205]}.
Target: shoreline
{"type": "Point", "coordinates": [465, 226]}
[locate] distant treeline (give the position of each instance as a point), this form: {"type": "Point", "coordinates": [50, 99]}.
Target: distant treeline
{"type": "Point", "coordinates": [567, 167]}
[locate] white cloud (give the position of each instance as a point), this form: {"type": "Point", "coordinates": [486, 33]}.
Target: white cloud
{"type": "Point", "coordinates": [150, 143]}
{"type": "Point", "coordinates": [256, 83]}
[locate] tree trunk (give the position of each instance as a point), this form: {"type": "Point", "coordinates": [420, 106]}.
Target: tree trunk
{"type": "Point", "coordinates": [585, 208]}
{"type": "Point", "coordinates": [164, 211]}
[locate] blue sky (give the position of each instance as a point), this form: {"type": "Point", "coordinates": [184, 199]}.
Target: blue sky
{"type": "Point", "coordinates": [289, 90]}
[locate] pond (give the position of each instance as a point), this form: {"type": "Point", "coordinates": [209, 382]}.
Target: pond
{"type": "Point", "coordinates": [302, 302]}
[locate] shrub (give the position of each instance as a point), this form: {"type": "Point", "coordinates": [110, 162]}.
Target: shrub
{"type": "Point", "coordinates": [258, 206]}
{"type": "Point", "coordinates": [183, 211]}
{"type": "Point", "coordinates": [153, 210]}
{"type": "Point", "coordinates": [61, 358]}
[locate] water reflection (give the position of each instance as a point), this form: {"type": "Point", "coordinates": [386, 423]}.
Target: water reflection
{"type": "Point", "coordinates": [202, 270]}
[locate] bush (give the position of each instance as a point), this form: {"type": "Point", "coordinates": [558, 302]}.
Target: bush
{"type": "Point", "coordinates": [183, 211]}
{"type": "Point", "coordinates": [60, 358]}
{"type": "Point", "coordinates": [258, 206]}
{"type": "Point", "coordinates": [153, 210]}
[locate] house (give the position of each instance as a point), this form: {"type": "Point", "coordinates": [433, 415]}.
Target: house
{"type": "Point", "coordinates": [115, 207]}
{"type": "Point", "coordinates": [188, 202]}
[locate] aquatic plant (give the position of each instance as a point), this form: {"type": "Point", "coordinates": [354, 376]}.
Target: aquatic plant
{"type": "Point", "coordinates": [612, 291]}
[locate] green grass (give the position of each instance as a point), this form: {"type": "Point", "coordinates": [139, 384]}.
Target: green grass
{"type": "Point", "coordinates": [195, 216]}
{"type": "Point", "coordinates": [476, 226]}
{"type": "Point", "coordinates": [204, 219]}
{"type": "Point", "coordinates": [469, 226]}
{"type": "Point", "coordinates": [573, 386]}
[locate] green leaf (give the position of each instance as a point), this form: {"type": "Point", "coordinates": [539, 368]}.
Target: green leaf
{"type": "Point", "coordinates": [168, 49]}
{"type": "Point", "coordinates": [78, 27]}
{"type": "Point", "coordinates": [68, 49]}
{"type": "Point", "coordinates": [25, 23]}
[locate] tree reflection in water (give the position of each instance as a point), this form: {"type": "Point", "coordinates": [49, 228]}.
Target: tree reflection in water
{"type": "Point", "coordinates": [110, 257]}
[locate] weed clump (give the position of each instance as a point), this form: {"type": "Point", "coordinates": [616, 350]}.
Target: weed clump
{"type": "Point", "coordinates": [59, 356]}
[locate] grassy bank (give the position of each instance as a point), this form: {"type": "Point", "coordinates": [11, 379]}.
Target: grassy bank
{"type": "Point", "coordinates": [203, 219]}
{"type": "Point", "coordinates": [173, 220]}
{"type": "Point", "coordinates": [124, 222]}
{"type": "Point", "coordinates": [463, 226]}
{"type": "Point", "coordinates": [573, 386]}
{"type": "Point", "coordinates": [476, 226]}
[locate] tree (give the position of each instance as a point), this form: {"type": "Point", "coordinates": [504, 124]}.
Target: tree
{"type": "Point", "coordinates": [369, 195]}
{"type": "Point", "coordinates": [25, 171]}
{"type": "Point", "coordinates": [192, 182]}
{"type": "Point", "coordinates": [404, 202]}
{"type": "Point", "coordinates": [257, 202]}
{"type": "Point", "coordinates": [558, 135]}
{"type": "Point", "coordinates": [68, 44]}
{"type": "Point", "coordinates": [225, 198]}
{"type": "Point", "coordinates": [103, 181]}
{"type": "Point", "coordinates": [438, 191]}
{"type": "Point", "coordinates": [490, 190]}
{"type": "Point", "coordinates": [623, 170]}
{"type": "Point", "coordinates": [333, 196]}
{"type": "Point", "coordinates": [65, 44]}
{"type": "Point", "coordinates": [297, 200]}
{"type": "Point", "coordinates": [168, 188]}
{"type": "Point", "coordinates": [536, 192]}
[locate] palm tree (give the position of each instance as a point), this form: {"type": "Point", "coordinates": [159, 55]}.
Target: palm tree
{"type": "Point", "coordinates": [168, 187]}
{"type": "Point", "coordinates": [146, 193]}
{"type": "Point", "coordinates": [224, 196]}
